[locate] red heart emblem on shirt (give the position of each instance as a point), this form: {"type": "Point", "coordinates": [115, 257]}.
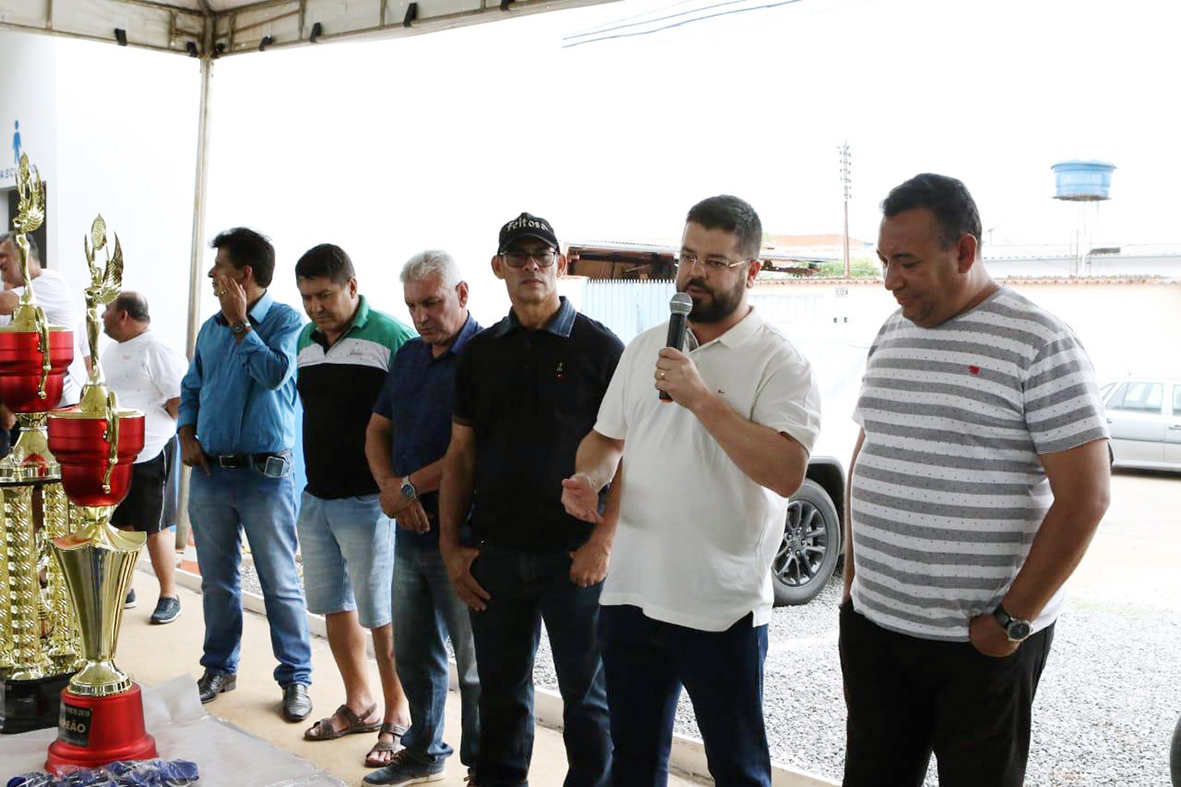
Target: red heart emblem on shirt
{"type": "Point", "coordinates": [974, 369]}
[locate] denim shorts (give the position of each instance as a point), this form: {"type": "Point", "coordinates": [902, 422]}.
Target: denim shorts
{"type": "Point", "coordinates": [348, 557]}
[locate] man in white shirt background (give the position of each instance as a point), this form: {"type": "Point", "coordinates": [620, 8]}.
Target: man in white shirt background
{"type": "Point", "coordinates": [697, 513]}
{"type": "Point", "coordinates": [145, 374]}
{"type": "Point", "coordinates": [63, 305]}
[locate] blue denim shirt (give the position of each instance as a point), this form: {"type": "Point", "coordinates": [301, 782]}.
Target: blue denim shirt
{"type": "Point", "coordinates": [242, 396]}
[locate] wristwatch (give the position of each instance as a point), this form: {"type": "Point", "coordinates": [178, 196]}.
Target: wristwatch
{"type": "Point", "coordinates": [1016, 630]}
{"type": "Point", "coordinates": [240, 327]}
{"type": "Point", "coordinates": [408, 490]}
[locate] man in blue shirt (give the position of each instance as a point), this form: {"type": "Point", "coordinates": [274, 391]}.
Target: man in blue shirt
{"type": "Point", "coordinates": [405, 444]}
{"type": "Point", "coordinates": [237, 429]}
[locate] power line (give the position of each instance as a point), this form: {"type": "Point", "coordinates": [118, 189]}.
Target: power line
{"type": "Point", "coordinates": [600, 28]}
{"type": "Point", "coordinates": [684, 22]}
{"type": "Point", "coordinates": [657, 19]}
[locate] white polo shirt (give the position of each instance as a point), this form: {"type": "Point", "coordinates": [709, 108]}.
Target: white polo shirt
{"type": "Point", "coordinates": [696, 535]}
{"type": "Point", "coordinates": [145, 373]}
{"type": "Point", "coordinates": [66, 307]}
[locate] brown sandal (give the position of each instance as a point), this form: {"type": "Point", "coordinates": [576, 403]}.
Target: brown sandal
{"type": "Point", "coordinates": [381, 747]}
{"type": "Point", "coordinates": [323, 730]}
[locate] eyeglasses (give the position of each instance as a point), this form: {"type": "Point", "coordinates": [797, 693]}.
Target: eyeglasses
{"type": "Point", "coordinates": [689, 260]}
{"type": "Point", "coordinates": [519, 259]}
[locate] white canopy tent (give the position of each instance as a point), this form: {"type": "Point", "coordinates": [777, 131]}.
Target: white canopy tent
{"type": "Point", "coordinates": [211, 29]}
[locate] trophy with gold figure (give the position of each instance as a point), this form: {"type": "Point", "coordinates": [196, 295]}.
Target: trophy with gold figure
{"type": "Point", "coordinates": [102, 716]}
{"type": "Point", "coordinates": [38, 648]}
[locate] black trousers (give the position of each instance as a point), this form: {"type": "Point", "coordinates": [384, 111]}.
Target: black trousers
{"type": "Point", "coordinates": [908, 697]}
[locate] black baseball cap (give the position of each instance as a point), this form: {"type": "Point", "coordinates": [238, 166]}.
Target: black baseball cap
{"type": "Point", "coordinates": [526, 226]}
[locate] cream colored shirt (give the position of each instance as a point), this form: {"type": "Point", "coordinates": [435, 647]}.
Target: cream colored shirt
{"type": "Point", "coordinates": [145, 373]}
{"type": "Point", "coordinates": [696, 535]}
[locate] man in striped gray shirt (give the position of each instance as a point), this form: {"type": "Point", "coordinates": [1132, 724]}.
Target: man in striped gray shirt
{"type": "Point", "coordinates": [979, 477]}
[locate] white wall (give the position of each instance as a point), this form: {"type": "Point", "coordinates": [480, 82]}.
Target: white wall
{"type": "Point", "coordinates": [127, 131]}
{"type": "Point", "coordinates": [1128, 328]}
{"type": "Point", "coordinates": [113, 131]}
{"type": "Point", "coordinates": [27, 80]}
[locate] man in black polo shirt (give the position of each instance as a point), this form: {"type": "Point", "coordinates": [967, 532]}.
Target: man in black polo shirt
{"type": "Point", "coordinates": [527, 389]}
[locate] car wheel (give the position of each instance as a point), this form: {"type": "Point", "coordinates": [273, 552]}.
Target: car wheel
{"type": "Point", "coordinates": [811, 544]}
{"type": "Point", "coordinates": [1175, 757]}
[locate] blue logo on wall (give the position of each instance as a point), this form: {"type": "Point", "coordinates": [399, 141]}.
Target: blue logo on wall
{"type": "Point", "coordinates": [9, 173]}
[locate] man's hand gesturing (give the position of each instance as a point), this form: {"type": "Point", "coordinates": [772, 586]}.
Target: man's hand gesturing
{"type": "Point", "coordinates": [580, 498]}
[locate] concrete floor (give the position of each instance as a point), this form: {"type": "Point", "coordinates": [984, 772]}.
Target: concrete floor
{"type": "Point", "coordinates": [153, 654]}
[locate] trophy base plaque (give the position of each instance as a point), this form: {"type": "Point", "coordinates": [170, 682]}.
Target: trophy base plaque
{"type": "Point", "coordinates": [30, 704]}
{"type": "Point", "coordinates": [94, 731]}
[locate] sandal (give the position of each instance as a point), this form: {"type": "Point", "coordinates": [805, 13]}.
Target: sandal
{"type": "Point", "coordinates": [381, 747]}
{"type": "Point", "coordinates": [323, 730]}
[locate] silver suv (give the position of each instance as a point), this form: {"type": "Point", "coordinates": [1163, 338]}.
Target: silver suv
{"type": "Point", "coordinates": [1144, 416]}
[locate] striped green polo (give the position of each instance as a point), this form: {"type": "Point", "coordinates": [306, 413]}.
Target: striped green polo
{"type": "Point", "coordinates": [338, 386]}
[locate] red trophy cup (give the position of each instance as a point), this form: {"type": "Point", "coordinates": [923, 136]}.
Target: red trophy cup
{"type": "Point", "coordinates": [38, 637]}
{"type": "Point", "coordinates": [102, 717]}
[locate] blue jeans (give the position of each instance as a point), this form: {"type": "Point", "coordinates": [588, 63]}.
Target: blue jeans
{"type": "Point", "coordinates": [527, 588]}
{"type": "Point", "coordinates": [348, 557]}
{"type": "Point", "coordinates": [426, 611]}
{"type": "Point", "coordinates": [648, 661]}
{"type": "Point", "coordinates": [221, 507]}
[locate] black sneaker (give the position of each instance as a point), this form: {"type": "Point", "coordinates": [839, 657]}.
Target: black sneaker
{"type": "Point", "coordinates": [167, 610]}
{"type": "Point", "coordinates": [129, 602]}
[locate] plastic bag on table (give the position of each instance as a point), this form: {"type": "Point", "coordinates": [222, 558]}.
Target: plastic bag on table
{"type": "Point", "coordinates": [130, 773]}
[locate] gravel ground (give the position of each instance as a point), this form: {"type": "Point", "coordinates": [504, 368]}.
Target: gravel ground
{"type": "Point", "coordinates": [1104, 714]}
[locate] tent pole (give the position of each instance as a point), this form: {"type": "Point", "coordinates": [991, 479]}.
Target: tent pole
{"type": "Point", "coordinates": [195, 263]}
{"type": "Point", "coordinates": [198, 247]}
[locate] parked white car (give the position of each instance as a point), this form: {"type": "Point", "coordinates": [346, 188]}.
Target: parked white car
{"type": "Point", "coordinates": [1144, 416]}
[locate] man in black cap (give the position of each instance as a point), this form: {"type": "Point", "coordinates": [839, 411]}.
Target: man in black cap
{"type": "Point", "coordinates": [527, 389]}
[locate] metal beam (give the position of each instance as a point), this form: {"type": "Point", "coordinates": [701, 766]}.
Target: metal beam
{"type": "Point", "coordinates": [82, 37]}
{"type": "Point", "coordinates": [183, 526]}
{"type": "Point", "coordinates": [157, 6]}
{"type": "Point", "coordinates": [395, 28]}
{"type": "Point", "coordinates": [199, 194]}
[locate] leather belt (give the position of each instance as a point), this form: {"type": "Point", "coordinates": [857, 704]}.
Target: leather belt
{"type": "Point", "coordinates": [242, 460]}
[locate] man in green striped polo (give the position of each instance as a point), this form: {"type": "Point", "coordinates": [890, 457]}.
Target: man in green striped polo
{"type": "Point", "coordinates": [347, 544]}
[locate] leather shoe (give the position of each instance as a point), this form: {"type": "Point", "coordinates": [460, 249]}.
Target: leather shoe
{"type": "Point", "coordinates": [296, 702]}
{"type": "Point", "coordinates": [213, 683]}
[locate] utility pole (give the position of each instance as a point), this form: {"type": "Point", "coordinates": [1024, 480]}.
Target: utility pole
{"type": "Point", "coordinates": [846, 184]}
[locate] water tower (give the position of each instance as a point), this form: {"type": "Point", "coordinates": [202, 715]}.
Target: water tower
{"type": "Point", "coordinates": [1085, 183]}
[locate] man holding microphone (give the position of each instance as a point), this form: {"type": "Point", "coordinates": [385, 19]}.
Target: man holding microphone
{"type": "Point", "coordinates": [698, 511]}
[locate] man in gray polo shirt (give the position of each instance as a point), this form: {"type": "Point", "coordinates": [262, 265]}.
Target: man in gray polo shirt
{"type": "Point", "coordinates": [979, 477]}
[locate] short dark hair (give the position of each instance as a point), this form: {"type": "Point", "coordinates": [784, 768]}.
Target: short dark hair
{"type": "Point", "coordinates": [134, 304]}
{"type": "Point", "coordinates": [947, 199]}
{"type": "Point", "coordinates": [733, 215]}
{"type": "Point", "coordinates": [247, 247]}
{"type": "Point", "coordinates": [34, 249]}
{"type": "Point", "coordinates": [325, 261]}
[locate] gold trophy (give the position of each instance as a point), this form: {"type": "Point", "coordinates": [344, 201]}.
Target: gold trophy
{"type": "Point", "coordinates": [37, 635]}
{"type": "Point", "coordinates": [102, 716]}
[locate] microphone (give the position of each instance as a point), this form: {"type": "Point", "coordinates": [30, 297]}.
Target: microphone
{"type": "Point", "coordinates": [680, 306]}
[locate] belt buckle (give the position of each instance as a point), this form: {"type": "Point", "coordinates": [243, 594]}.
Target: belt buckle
{"type": "Point", "coordinates": [230, 462]}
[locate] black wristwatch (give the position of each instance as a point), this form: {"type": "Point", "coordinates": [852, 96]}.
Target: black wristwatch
{"type": "Point", "coordinates": [1016, 630]}
{"type": "Point", "coordinates": [240, 327]}
{"type": "Point", "coordinates": [408, 490]}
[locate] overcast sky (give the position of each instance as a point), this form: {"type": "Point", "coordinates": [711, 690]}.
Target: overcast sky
{"type": "Point", "coordinates": [392, 146]}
